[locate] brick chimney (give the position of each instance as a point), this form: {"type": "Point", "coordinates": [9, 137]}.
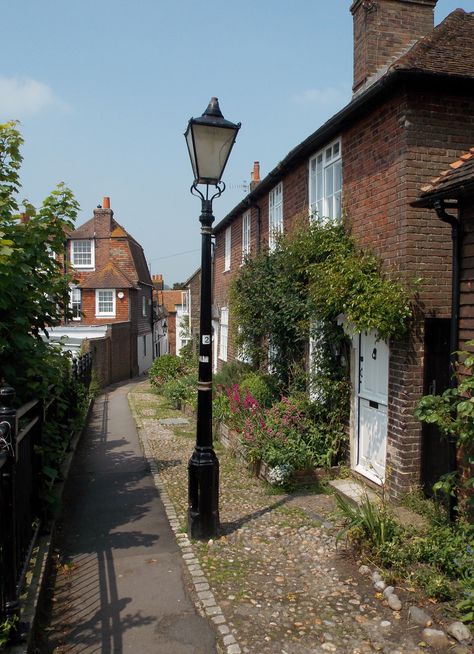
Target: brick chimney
{"type": "Point", "coordinates": [103, 219]}
{"type": "Point", "coordinates": [383, 30]}
{"type": "Point", "coordinates": [157, 282]}
{"type": "Point", "coordinates": [255, 175]}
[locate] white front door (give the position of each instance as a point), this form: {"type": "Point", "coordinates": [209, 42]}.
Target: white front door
{"type": "Point", "coordinates": [372, 401]}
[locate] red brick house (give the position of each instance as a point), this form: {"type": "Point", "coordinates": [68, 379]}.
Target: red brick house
{"type": "Point", "coordinates": [173, 318]}
{"type": "Point", "coordinates": [412, 112]}
{"type": "Point", "coordinates": [113, 295]}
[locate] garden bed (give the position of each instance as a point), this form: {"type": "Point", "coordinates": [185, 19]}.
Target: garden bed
{"type": "Point", "coordinates": [230, 440]}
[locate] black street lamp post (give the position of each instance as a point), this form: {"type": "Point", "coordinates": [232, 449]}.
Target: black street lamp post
{"type": "Point", "coordinates": [210, 139]}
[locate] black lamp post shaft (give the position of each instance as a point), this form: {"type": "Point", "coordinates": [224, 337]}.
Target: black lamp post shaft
{"type": "Point", "coordinates": [203, 468]}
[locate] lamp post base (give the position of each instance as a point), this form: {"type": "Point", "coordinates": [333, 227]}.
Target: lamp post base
{"type": "Point", "coordinates": [203, 513]}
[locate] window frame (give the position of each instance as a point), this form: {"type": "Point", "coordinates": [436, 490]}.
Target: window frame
{"type": "Point", "coordinates": [144, 303]}
{"type": "Point", "coordinates": [324, 172]}
{"type": "Point", "coordinates": [275, 214]}
{"type": "Point", "coordinates": [246, 234]}
{"type": "Point", "coordinates": [105, 314]}
{"type": "Point", "coordinates": [227, 248]}
{"type": "Point", "coordinates": [223, 333]}
{"type": "Point", "coordinates": [73, 302]}
{"type": "Point", "coordinates": [73, 254]}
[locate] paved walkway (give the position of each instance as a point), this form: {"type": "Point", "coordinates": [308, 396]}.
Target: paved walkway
{"type": "Point", "coordinates": [119, 585]}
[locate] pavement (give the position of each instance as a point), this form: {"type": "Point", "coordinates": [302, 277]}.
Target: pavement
{"type": "Point", "coordinates": [274, 580]}
{"type": "Point", "coordinates": [118, 584]}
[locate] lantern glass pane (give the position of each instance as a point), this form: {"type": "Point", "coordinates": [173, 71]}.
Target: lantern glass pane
{"type": "Point", "coordinates": [189, 141]}
{"type": "Point", "coordinates": [212, 149]}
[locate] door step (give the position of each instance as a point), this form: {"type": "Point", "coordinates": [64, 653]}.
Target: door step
{"type": "Point", "coordinates": [356, 492]}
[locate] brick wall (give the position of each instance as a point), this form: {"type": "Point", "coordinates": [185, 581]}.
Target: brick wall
{"type": "Point", "coordinates": [88, 308]}
{"type": "Point", "coordinates": [295, 203]}
{"type": "Point", "coordinates": [171, 322]}
{"type": "Point", "coordinates": [115, 356]}
{"type": "Point", "coordinates": [194, 287]}
{"type": "Point", "coordinates": [387, 156]}
{"type": "Point", "coordinates": [383, 29]}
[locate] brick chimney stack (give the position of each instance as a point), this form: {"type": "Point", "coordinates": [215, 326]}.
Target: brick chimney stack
{"type": "Point", "coordinates": [103, 219]}
{"type": "Point", "coordinates": [383, 30]}
{"type": "Point", "coordinates": [255, 175]}
{"type": "Point", "coordinates": [158, 282]}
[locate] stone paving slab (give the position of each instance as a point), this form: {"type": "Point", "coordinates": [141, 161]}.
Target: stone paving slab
{"type": "Point", "coordinates": [278, 578]}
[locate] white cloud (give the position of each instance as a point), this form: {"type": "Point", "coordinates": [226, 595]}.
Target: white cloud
{"type": "Point", "coordinates": [326, 97]}
{"type": "Point", "coordinates": [24, 97]}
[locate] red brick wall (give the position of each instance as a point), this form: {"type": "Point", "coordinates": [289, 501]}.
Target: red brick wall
{"type": "Point", "coordinates": [384, 29]}
{"type": "Point", "coordinates": [88, 308]}
{"type": "Point", "coordinates": [171, 322]}
{"type": "Point", "coordinates": [114, 357]}
{"type": "Point", "coordinates": [387, 156]}
{"type": "Point", "coordinates": [295, 203]}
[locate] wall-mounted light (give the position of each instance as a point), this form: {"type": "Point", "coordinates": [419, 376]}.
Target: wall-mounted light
{"type": "Point", "coordinates": [120, 295]}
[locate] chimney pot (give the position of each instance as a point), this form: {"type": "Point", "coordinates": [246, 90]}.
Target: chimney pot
{"type": "Point", "coordinates": [106, 203]}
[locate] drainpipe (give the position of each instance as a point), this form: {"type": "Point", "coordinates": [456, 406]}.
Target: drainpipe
{"type": "Point", "coordinates": [454, 326]}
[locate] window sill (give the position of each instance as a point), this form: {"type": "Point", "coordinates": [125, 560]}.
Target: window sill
{"type": "Point", "coordinates": [105, 315]}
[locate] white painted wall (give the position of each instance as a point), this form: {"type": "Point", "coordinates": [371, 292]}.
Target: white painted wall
{"type": "Point", "coordinates": [144, 352]}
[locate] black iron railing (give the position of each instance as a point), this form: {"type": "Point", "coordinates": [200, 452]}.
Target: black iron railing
{"type": "Point", "coordinates": [21, 433]}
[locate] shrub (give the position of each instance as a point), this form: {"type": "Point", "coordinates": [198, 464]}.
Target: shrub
{"type": "Point", "coordinates": [262, 387]}
{"type": "Point", "coordinates": [366, 522]}
{"type": "Point", "coordinates": [164, 368]}
{"type": "Point", "coordinates": [231, 374]}
{"type": "Point", "coordinates": [181, 390]}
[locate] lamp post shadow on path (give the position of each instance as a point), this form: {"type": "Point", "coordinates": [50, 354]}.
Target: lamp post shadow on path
{"type": "Point", "coordinates": [210, 139]}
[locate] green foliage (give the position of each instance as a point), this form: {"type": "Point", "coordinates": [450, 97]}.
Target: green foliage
{"type": "Point", "coordinates": [366, 522]}
{"type": "Point", "coordinates": [34, 291]}
{"type": "Point", "coordinates": [453, 414]}
{"type": "Point", "coordinates": [165, 368]}
{"type": "Point", "coordinates": [313, 275]}
{"type": "Point", "coordinates": [262, 387]}
{"type": "Point", "coordinates": [439, 560]}
{"type": "Point", "coordinates": [6, 628]}
{"type": "Point", "coordinates": [230, 374]}
{"type": "Point", "coordinates": [181, 390]}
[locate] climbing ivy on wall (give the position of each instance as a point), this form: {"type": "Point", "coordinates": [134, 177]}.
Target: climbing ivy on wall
{"type": "Point", "coordinates": [315, 273]}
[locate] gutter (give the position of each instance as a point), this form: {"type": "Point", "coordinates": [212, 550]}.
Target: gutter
{"type": "Point", "coordinates": [330, 128]}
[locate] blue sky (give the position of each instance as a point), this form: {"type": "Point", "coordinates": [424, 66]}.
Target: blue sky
{"type": "Point", "coordinates": [104, 90]}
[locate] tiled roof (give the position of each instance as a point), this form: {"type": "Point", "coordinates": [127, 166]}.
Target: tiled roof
{"type": "Point", "coordinates": [108, 277]}
{"type": "Point", "coordinates": [448, 49]}
{"type": "Point", "coordinates": [170, 299]}
{"type": "Point", "coordinates": [460, 173]}
{"type": "Point", "coordinates": [139, 260]}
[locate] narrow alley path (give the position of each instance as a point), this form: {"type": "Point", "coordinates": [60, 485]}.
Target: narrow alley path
{"type": "Point", "coordinates": [118, 585]}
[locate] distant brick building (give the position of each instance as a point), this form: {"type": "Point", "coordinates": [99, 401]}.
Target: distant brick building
{"type": "Point", "coordinates": [412, 113]}
{"type": "Point", "coordinates": [113, 291]}
{"type": "Point", "coordinates": [173, 325]}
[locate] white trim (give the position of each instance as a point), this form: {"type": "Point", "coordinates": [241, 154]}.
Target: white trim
{"type": "Point", "coordinates": [227, 248]}
{"type": "Point", "coordinates": [223, 333]}
{"type": "Point", "coordinates": [105, 314]}
{"type": "Point", "coordinates": [73, 254]}
{"type": "Point", "coordinates": [246, 234]}
{"type": "Point", "coordinates": [325, 182]}
{"type": "Point", "coordinates": [75, 302]}
{"type": "Point", "coordinates": [275, 214]}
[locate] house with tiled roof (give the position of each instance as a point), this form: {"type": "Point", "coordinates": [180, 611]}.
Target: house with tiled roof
{"type": "Point", "coordinates": [411, 114]}
{"type": "Point", "coordinates": [173, 317]}
{"type": "Point", "coordinates": [112, 295]}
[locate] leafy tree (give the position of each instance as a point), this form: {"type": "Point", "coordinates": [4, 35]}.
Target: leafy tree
{"type": "Point", "coordinates": [33, 285]}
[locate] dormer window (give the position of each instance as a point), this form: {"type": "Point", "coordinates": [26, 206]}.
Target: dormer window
{"type": "Point", "coordinates": [82, 253]}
